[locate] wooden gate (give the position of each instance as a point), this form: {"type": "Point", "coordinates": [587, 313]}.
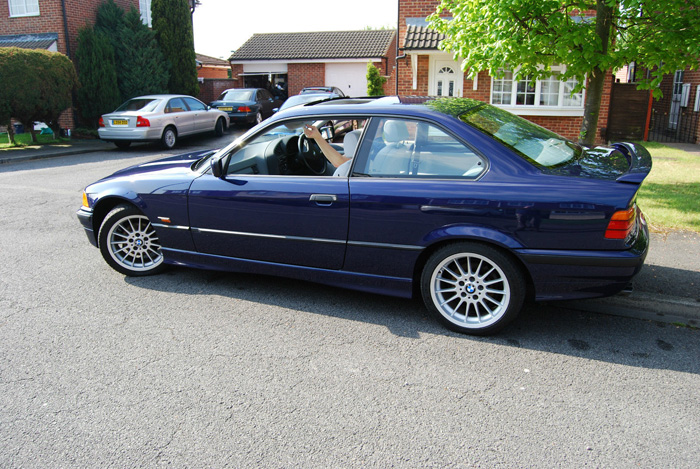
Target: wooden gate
{"type": "Point", "coordinates": [628, 112]}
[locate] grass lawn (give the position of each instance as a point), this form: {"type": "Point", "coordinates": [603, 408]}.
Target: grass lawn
{"type": "Point", "coordinates": [26, 139]}
{"type": "Point", "coordinates": [670, 195]}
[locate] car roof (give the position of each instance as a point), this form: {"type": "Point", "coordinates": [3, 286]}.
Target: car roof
{"type": "Point", "coordinates": [162, 96]}
{"type": "Point", "coordinates": [242, 89]}
{"type": "Point", "coordinates": [408, 106]}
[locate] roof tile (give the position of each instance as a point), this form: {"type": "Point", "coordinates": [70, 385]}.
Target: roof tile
{"type": "Point", "coordinates": [316, 45]}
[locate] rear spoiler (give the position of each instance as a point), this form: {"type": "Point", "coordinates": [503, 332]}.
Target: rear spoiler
{"type": "Point", "coordinates": [639, 160]}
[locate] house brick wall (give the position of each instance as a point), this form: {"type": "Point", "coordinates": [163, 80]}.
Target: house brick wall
{"type": "Point", "coordinates": [301, 75]}
{"type": "Point", "coordinates": [79, 13]}
{"type": "Point", "coordinates": [211, 88]}
{"type": "Point", "coordinates": [212, 72]}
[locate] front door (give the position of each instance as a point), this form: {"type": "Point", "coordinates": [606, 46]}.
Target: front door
{"type": "Point", "coordinates": [447, 79]}
{"type": "Point", "coordinates": [295, 220]}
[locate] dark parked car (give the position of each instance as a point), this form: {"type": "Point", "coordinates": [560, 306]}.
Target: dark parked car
{"type": "Point", "coordinates": [323, 89]}
{"type": "Point", "coordinates": [247, 105]}
{"type": "Point", "coordinates": [465, 204]}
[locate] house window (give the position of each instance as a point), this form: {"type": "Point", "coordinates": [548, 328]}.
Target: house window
{"type": "Point", "coordinates": [24, 7]}
{"type": "Point", "coordinates": [145, 8]}
{"type": "Point", "coordinates": [502, 89]}
{"type": "Point", "coordinates": [550, 92]}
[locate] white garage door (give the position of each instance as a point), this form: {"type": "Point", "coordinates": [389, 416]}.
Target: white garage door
{"type": "Point", "coordinates": [349, 77]}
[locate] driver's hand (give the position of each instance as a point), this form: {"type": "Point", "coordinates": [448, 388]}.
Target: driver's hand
{"type": "Point", "coordinates": [311, 131]}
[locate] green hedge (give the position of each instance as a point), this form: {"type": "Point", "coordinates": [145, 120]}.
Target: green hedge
{"type": "Point", "coordinates": [37, 86]}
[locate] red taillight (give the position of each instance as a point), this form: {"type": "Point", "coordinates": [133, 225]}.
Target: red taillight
{"type": "Point", "coordinates": [244, 109]}
{"type": "Point", "coordinates": [621, 223]}
{"type": "Point", "coordinates": [101, 122]}
{"type": "Point", "coordinates": [142, 122]}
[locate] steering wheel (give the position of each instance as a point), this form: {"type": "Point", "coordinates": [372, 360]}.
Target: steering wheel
{"type": "Point", "coordinates": [311, 155]}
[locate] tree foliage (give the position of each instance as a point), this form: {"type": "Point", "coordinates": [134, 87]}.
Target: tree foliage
{"type": "Point", "coordinates": [37, 86]}
{"type": "Point", "coordinates": [98, 92]}
{"type": "Point", "coordinates": [375, 81]}
{"type": "Point", "coordinates": [172, 23]}
{"type": "Point", "coordinates": [142, 66]}
{"type": "Point", "coordinates": [589, 37]}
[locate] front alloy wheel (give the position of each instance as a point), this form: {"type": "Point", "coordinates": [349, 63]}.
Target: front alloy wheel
{"type": "Point", "coordinates": [473, 288]}
{"type": "Point", "coordinates": [128, 242]}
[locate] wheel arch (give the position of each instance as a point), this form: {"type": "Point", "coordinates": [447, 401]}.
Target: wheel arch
{"type": "Point", "coordinates": [170, 126]}
{"type": "Point", "coordinates": [504, 248]}
{"type": "Point", "coordinates": [105, 205]}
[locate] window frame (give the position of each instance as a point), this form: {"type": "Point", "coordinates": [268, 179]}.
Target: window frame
{"type": "Point", "coordinates": [511, 87]}
{"type": "Point", "coordinates": [26, 4]}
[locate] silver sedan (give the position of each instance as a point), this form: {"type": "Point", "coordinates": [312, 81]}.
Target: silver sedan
{"type": "Point", "coordinates": [160, 117]}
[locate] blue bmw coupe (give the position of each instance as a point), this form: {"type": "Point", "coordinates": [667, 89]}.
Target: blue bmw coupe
{"type": "Point", "coordinates": [458, 201]}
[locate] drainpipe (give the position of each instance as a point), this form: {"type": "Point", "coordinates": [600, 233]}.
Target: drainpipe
{"type": "Point", "coordinates": [398, 38]}
{"type": "Point", "coordinates": [65, 27]}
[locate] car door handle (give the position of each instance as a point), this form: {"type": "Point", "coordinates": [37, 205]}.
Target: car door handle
{"type": "Point", "coordinates": [323, 199]}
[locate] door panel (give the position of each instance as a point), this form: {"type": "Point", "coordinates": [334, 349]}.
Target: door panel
{"type": "Point", "coordinates": [297, 220]}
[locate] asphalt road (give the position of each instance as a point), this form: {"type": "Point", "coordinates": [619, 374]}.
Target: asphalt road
{"type": "Point", "coordinates": [198, 369]}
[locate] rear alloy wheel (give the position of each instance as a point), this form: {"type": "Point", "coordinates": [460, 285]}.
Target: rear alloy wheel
{"type": "Point", "coordinates": [258, 118]}
{"type": "Point", "coordinates": [129, 243]}
{"type": "Point", "coordinates": [169, 138]}
{"type": "Point", "coordinates": [472, 288]}
{"type": "Point", "coordinates": [219, 128]}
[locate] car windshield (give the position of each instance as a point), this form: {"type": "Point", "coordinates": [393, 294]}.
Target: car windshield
{"type": "Point", "coordinates": [236, 95]}
{"type": "Point", "coordinates": [139, 104]}
{"type": "Point", "coordinates": [536, 144]}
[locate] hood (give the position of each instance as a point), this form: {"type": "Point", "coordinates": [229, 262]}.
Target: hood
{"type": "Point", "coordinates": [177, 163]}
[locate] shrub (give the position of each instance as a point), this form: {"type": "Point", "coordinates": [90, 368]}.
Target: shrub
{"type": "Point", "coordinates": [98, 92]}
{"type": "Point", "coordinates": [375, 81]}
{"type": "Point", "coordinates": [37, 85]}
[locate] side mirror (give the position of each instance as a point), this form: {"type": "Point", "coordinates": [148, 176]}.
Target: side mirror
{"type": "Point", "coordinates": [208, 107]}
{"type": "Point", "coordinates": [216, 168]}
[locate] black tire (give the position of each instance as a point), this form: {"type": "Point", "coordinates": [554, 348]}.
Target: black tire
{"type": "Point", "coordinates": [123, 144]}
{"type": "Point", "coordinates": [128, 242]}
{"type": "Point", "coordinates": [473, 288]}
{"type": "Point", "coordinates": [219, 127]}
{"type": "Point", "coordinates": [169, 138]}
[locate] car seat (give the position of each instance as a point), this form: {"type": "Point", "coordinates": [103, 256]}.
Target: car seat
{"type": "Point", "coordinates": [395, 157]}
{"type": "Point", "coordinates": [350, 141]}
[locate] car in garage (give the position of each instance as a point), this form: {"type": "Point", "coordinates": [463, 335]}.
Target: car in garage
{"type": "Point", "coordinates": [472, 208]}
{"type": "Point", "coordinates": [323, 89]}
{"type": "Point", "coordinates": [160, 117]}
{"type": "Point", "coordinates": [247, 106]}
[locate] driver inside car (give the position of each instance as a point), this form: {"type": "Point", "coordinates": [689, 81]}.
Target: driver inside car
{"type": "Point", "coordinates": [331, 154]}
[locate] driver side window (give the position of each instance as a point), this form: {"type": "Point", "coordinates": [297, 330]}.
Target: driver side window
{"type": "Point", "coordinates": [277, 150]}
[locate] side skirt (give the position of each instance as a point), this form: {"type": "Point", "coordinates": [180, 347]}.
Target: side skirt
{"type": "Point", "coordinates": [392, 286]}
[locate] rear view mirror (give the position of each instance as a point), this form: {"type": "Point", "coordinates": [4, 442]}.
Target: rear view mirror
{"type": "Point", "coordinates": [326, 132]}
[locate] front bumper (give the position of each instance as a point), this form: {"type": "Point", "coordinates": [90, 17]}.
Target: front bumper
{"type": "Point", "coordinates": [85, 218]}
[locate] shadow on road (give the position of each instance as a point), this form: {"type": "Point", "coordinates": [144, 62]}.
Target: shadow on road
{"type": "Point", "coordinates": [546, 327]}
